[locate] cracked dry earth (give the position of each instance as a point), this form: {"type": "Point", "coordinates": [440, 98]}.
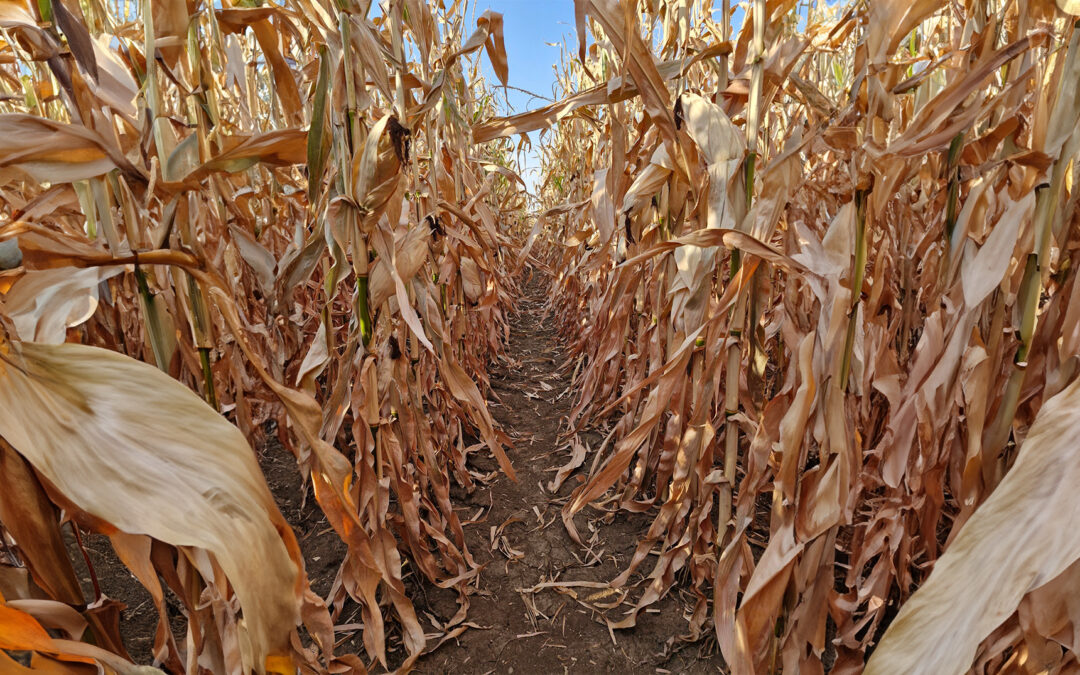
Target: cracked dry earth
{"type": "Point", "coordinates": [543, 598]}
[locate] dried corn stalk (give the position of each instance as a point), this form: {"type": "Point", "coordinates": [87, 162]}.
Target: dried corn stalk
{"type": "Point", "coordinates": [818, 278]}
{"type": "Point", "coordinates": [282, 208]}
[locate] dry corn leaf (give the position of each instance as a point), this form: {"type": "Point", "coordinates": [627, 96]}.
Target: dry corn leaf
{"type": "Point", "coordinates": [51, 151]}
{"type": "Point", "coordinates": [940, 627]}
{"type": "Point", "coordinates": [137, 450]}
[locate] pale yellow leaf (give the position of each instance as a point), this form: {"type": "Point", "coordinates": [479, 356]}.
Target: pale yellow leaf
{"type": "Point", "coordinates": [134, 448]}
{"type": "Point", "coordinates": [1017, 540]}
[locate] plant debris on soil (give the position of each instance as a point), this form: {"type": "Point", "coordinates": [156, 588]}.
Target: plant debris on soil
{"type": "Point", "coordinates": [541, 603]}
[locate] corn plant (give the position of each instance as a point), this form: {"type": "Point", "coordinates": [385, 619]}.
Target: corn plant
{"type": "Point", "coordinates": [817, 279]}
{"type": "Point", "coordinates": [276, 209]}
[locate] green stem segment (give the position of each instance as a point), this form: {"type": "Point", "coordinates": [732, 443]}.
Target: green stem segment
{"type": "Point", "coordinates": [363, 313]}
{"type": "Point", "coordinates": [208, 377]}
{"type": "Point", "coordinates": [954, 185]}
{"type": "Point", "coordinates": [150, 317]}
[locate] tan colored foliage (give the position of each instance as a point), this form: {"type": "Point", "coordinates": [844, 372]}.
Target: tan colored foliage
{"type": "Point", "coordinates": [280, 208]}
{"type": "Point", "coordinates": [817, 277]}
{"type": "Point", "coordinates": [814, 400]}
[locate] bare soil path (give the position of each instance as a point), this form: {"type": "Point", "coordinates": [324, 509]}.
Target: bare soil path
{"type": "Point", "coordinates": [524, 545]}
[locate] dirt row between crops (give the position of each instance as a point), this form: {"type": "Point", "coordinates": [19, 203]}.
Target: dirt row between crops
{"type": "Point", "coordinates": [530, 623]}
{"type": "Point", "coordinates": [524, 617]}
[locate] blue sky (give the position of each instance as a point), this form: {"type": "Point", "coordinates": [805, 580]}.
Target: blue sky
{"type": "Point", "coordinates": [532, 31]}
{"type": "Point", "coordinates": [528, 28]}
{"type": "Point", "coordinates": [528, 25]}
